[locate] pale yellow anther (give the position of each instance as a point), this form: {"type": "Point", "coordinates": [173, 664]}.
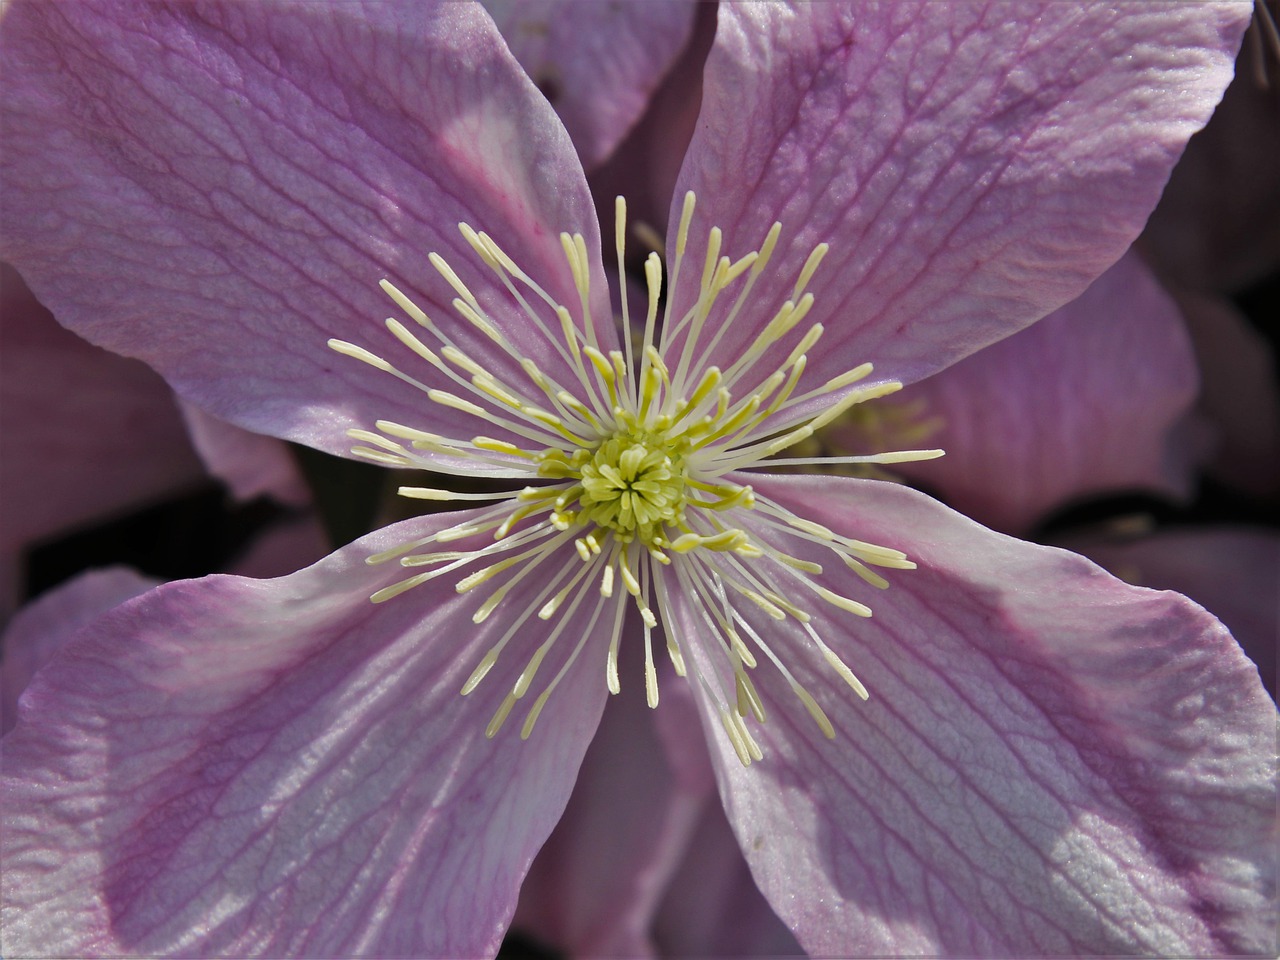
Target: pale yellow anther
{"type": "Point", "coordinates": [713, 263]}
{"type": "Point", "coordinates": [463, 362]}
{"type": "Point", "coordinates": [500, 716]}
{"type": "Point", "coordinates": [737, 269]}
{"type": "Point", "coordinates": [748, 697]}
{"type": "Point", "coordinates": [450, 278]}
{"type": "Point", "coordinates": [376, 439]}
{"type": "Point", "coordinates": [844, 603]}
{"type": "Point", "coordinates": [386, 593]}
{"type": "Point", "coordinates": [731, 724]}
{"type": "Point", "coordinates": [686, 217]}
{"type": "Point", "coordinates": [530, 671]}
{"type": "Point", "coordinates": [742, 651]}
{"type": "Point", "coordinates": [810, 267]}
{"type": "Point", "coordinates": [806, 343]}
{"type": "Point", "coordinates": [770, 608]}
{"type": "Point", "coordinates": [403, 334]}
{"type": "Point", "coordinates": [403, 302]}
{"type": "Point", "coordinates": [611, 665]}
{"type": "Point", "coordinates": [406, 433]}
{"type": "Point", "coordinates": [489, 386]}
{"type": "Point", "coordinates": [425, 493]}
{"type": "Point", "coordinates": [361, 354]}
{"type": "Point", "coordinates": [478, 674]}
{"type": "Point", "coordinates": [479, 321]}
{"type": "Point", "coordinates": [499, 446]}
{"type": "Point", "coordinates": [815, 711]}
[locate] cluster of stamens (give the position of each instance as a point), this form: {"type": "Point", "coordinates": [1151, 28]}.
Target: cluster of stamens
{"type": "Point", "coordinates": [635, 466]}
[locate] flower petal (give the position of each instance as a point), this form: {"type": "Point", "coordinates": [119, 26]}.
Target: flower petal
{"type": "Point", "coordinates": [1217, 226]}
{"type": "Point", "coordinates": [1230, 571]}
{"type": "Point", "coordinates": [224, 211]}
{"type": "Point", "coordinates": [250, 464]}
{"type": "Point", "coordinates": [597, 63]}
{"type": "Point", "coordinates": [1240, 394]}
{"type": "Point", "coordinates": [239, 767]}
{"type": "Point", "coordinates": [1050, 762]}
{"type": "Point", "coordinates": [1091, 399]}
{"type": "Point", "coordinates": [83, 434]}
{"type": "Point", "coordinates": [973, 166]}
{"type": "Point", "coordinates": [40, 628]}
{"type": "Point", "coordinates": [712, 907]}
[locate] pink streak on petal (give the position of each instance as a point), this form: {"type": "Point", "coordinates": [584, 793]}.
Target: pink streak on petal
{"type": "Point", "coordinates": [250, 464]}
{"type": "Point", "coordinates": [240, 767]}
{"type": "Point", "coordinates": [224, 211]}
{"type": "Point", "coordinates": [1050, 762]}
{"type": "Point", "coordinates": [1090, 400]}
{"type": "Point", "coordinates": [594, 888]}
{"type": "Point", "coordinates": [83, 433]}
{"type": "Point", "coordinates": [597, 63]}
{"type": "Point", "coordinates": [973, 166]}
{"type": "Point", "coordinates": [41, 628]}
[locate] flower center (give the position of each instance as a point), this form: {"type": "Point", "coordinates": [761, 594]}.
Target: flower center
{"type": "Point", "coordinates": [634, 484]}
{"type": "Point", "coordinates": [634, 468]}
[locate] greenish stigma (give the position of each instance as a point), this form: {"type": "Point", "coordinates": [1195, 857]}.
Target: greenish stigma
{"type": "Point", "coordinates": [633, 484]}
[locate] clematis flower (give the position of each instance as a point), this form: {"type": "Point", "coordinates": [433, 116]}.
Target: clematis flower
{"type": "Point", "coordinates": [1049, 760]}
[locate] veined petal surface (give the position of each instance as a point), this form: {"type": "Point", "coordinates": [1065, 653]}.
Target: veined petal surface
{"type": "Point", "coordinates": [1051, 761]}
{"type": "Point", "coordinates": [218, 189]}
{"type": "Point", "coordinates": [1232, 571]}
{"type": "Point", "coordinates": [972, 165]}
{"type": "Point", "coordinates": [240, 767]}
{"type": "Point", "coordinates": [41, 627]}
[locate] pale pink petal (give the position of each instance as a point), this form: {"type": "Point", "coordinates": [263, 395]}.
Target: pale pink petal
{"type": "Point", "coordinates": [1233, 572]}
{"type": "Point", "coordinates": [226, 210]}
{"type": "Point", "coordinates": [712, 907]}
{"type": "Point", "coordinates": [83, 433]}
{"type": "Point", "coordinates": [597, 63]}
{"type": "Point", "coordinates": [1051, 761]}
{"type": "Point", "coordinates": [1240, 394]}
{"type": "Point", "coordinates": [973, 165]}
{"type": "Point", "coordinates": [248, 768]}
{"type": "Point", "coordinates": [1090, 400]}
{"type": "Point", "coordinates": [594, 888]}
{"type": "Point", "coordinates": [250, 464]}
{"type": "Point", "coordinates": [40, 628]}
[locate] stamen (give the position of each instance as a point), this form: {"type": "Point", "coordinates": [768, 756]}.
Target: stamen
{"type": "Point", "coordinates": [630, 473]}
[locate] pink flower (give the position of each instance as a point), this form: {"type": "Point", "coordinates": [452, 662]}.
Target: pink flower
{"type": "Point", "coordinates": [1049, 761]}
